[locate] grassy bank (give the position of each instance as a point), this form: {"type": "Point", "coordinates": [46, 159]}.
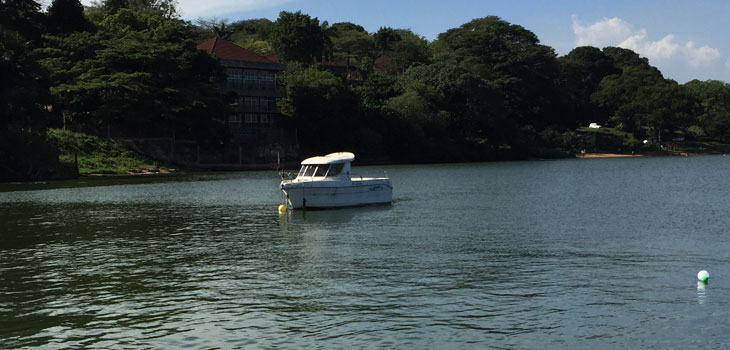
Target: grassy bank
{"type": "Point", "coordinates": [97, 156]}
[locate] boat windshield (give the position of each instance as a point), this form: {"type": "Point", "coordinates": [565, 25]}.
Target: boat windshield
{"type": "Point", "coordinates": [321, 170]}
{"type": "Point", "coordinates": [330, 170]}
{"type": "Point", "coordinates": [335, 169]}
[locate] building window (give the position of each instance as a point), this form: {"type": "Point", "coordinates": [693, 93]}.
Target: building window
{"type": "Point", "coordinates": [234, 74]}
{"type": "Point", "coordinates": [249, 78]}
{"type": "Point", "coordinates": [234, 120]}
{"type": "Point", "coordinates": [266, 80]}
{"type": "Point", "coordinates": [266, 119]}
{"type": "Point", "coordinates": [268, 104]}
{"type": "Point", "coordinates": [252, 104]}
{"type": "Point", "coordinates": [251, 118]}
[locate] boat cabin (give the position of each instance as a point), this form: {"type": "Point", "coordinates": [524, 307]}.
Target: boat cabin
{"type": "Point", "coordinates": [334, 166]}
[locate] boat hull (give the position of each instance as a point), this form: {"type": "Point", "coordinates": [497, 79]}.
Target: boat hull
{"type": "Point", "coordinates": [337, 194]}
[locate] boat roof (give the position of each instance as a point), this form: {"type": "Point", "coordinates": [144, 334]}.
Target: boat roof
{"type": "Point", "coordinates": [332, 158]}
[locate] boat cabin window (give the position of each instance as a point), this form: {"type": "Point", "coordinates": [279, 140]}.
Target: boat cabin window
{"type": "Point", "coordinates": [321, 170]}
{"type": "Point", "coordinates": [335, 169]}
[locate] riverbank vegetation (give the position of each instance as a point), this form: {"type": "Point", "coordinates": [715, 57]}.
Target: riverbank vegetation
{"type": "Point", "coordinates": [93, 155]}
{"type": "Point", "coordinates": [486, 90]}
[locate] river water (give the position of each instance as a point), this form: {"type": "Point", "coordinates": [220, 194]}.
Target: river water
{"type": "Point", "coordinates": [578, 253]}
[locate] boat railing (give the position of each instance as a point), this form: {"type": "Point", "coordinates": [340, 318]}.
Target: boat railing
{"type": "Point", "coordinates": [360, 177]}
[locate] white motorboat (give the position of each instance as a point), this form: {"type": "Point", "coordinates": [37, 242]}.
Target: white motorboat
{"type": "Point", "coordinates": [326, 182]}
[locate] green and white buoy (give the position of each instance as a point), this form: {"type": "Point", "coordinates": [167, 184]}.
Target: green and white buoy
{"type": "Point", "coordinates": [703, 276]}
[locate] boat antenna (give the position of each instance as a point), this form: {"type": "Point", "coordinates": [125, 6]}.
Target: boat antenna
{"type": "Point", "coordinates": [278, 166]}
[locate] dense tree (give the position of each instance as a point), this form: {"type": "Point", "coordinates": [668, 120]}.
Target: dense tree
{"type": "Point", "coordinates": [253, 35]}
{"type": "Point", "coordinates": [137, 73]}
{"type": "Point", "coordinates": [351, 43]}
{"type": "Point", "coordinates": [164, 8]}
{"type": "Point", "coordinates": [581, 73]}
{"type": "Point", "coordinates": [67, 16]}
{"type": "Point", "coordinates": [664, 107]}
{"type": "Point", "coordinates": [23, 17]}
{"type": "Point", "coordinates": [25, 152]}
{"type": "Point", "coordinates": [377, 89]}
{"type": "Point", "coordinates": [24, 85]}
{"type": "Point", "coordinates": [260, 27]}
{"type": "Point", "coordinates": [320, 106]}
{"type": "Point", "coordinates": [298, 37]}
{"type": "Point", "coordinates": [623, 58]}
{"type": "Point", "coordinates": [400, 49]}
{"type": "Point", "coordinates": [510, 57]}
{"type": "Point", "coordinates": [616, 95]}
{"type": "Point", "coordinates": [222, 30]}
{"type": "Point", "coordinates": [714, 99]}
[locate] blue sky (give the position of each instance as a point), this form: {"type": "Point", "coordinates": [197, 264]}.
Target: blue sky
{"type": "Point", "coordinates": [684, 39]}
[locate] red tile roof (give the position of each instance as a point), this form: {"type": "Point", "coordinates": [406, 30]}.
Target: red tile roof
{"type": "Point", "coordinates": [227, 50]}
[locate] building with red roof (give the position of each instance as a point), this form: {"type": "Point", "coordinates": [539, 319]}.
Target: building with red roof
{"type": "Point", "coordinates": [252, 78]}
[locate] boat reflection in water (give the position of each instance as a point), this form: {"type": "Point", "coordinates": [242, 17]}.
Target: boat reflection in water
{"type": "Point", "coordinates": [326, 182]}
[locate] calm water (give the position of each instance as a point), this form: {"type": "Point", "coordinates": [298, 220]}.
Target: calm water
{"type": "Point", "coordinates": [599, 253]}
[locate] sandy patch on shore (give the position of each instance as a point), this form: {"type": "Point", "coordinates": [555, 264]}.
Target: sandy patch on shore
{"type": "Point", "coordinates": [606, 155]}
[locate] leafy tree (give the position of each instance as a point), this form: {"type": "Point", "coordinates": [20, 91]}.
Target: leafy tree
{"type": "Point", "coordinates": [215, 27]}
{"type": "Point", "coordinates": [510, 57]}
{"type": "Point", "coordinates": [384, 37]}
{"type": "Point", "coordinates": [298, 37]}
{"type": "Point", "coordinates": [253, 35]}
{"type": "Point", "coordinates": [23, 17]}
{"type": "Point", "coordinates": [616, 95]}
{"type": "Point", "coordinates": [624, 58]}
{"type": "Point", "coordinates": [665, 107]}
{"type": "Point", "coordinates": [260, 47]}
{"type": "Point", "coordinates": [137, 73]}
{"type": "Point", "coordinates": [67, 16]}
{"type": "Point", "coordinates": [222, 30]}
{"type": "Point", "coordinates": [260, 27]}
{"type": "Point", "coordinates": [351, 43]}
{"type": "Point", "coordinates": [468, 108]}
{"type": "Point", "coordinates": [24, 85]}
{"type": "Point", "coordinates": [25, 153]}
{"type": "Point", "coordinates": [581, 73]}
{"type": "Point", "coordinates": [164, 8]}
{"type": "Point", "coordinates": [714, 99]}
{"type": "Point", "coordinates": [320, 107]}
{"type": "Point", "coordinates": [377, 89]}
{"type": "Point", "coordinates": [400, 49]}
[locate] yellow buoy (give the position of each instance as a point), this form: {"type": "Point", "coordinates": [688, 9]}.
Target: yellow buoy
{"type": "Point", "coordinates": [282, 208]}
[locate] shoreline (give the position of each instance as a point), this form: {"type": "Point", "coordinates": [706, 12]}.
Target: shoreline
{"type": "Point", "coordinates": [608, 155]}
{"type": "Point", "coordinates": [647, 154]}
{"type": "Point", "coordinates": [213, 168]}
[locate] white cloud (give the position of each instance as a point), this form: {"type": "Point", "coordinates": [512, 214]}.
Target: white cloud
{"type": "Point", "coordinates": [700, 56]}
{"type": "Point", "coordinates": [617, 32]}
{"type": "Point", "coordinates": [191, 9]}
{"type": "Point", "coordinates": [654, 50]}
{"type": "Point", "coordinates": [607, 32]}
{"type": "Point", "coordinates": [222, 8]}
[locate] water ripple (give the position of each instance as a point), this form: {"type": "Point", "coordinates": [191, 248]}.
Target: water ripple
{"type": "Point", "coordinates": [533, 262]}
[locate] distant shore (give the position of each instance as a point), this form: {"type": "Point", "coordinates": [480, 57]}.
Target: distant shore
{"type": "Point", "coordinates": [624, 155]}
{"type": "Point", "coordinates": [607, 155]}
